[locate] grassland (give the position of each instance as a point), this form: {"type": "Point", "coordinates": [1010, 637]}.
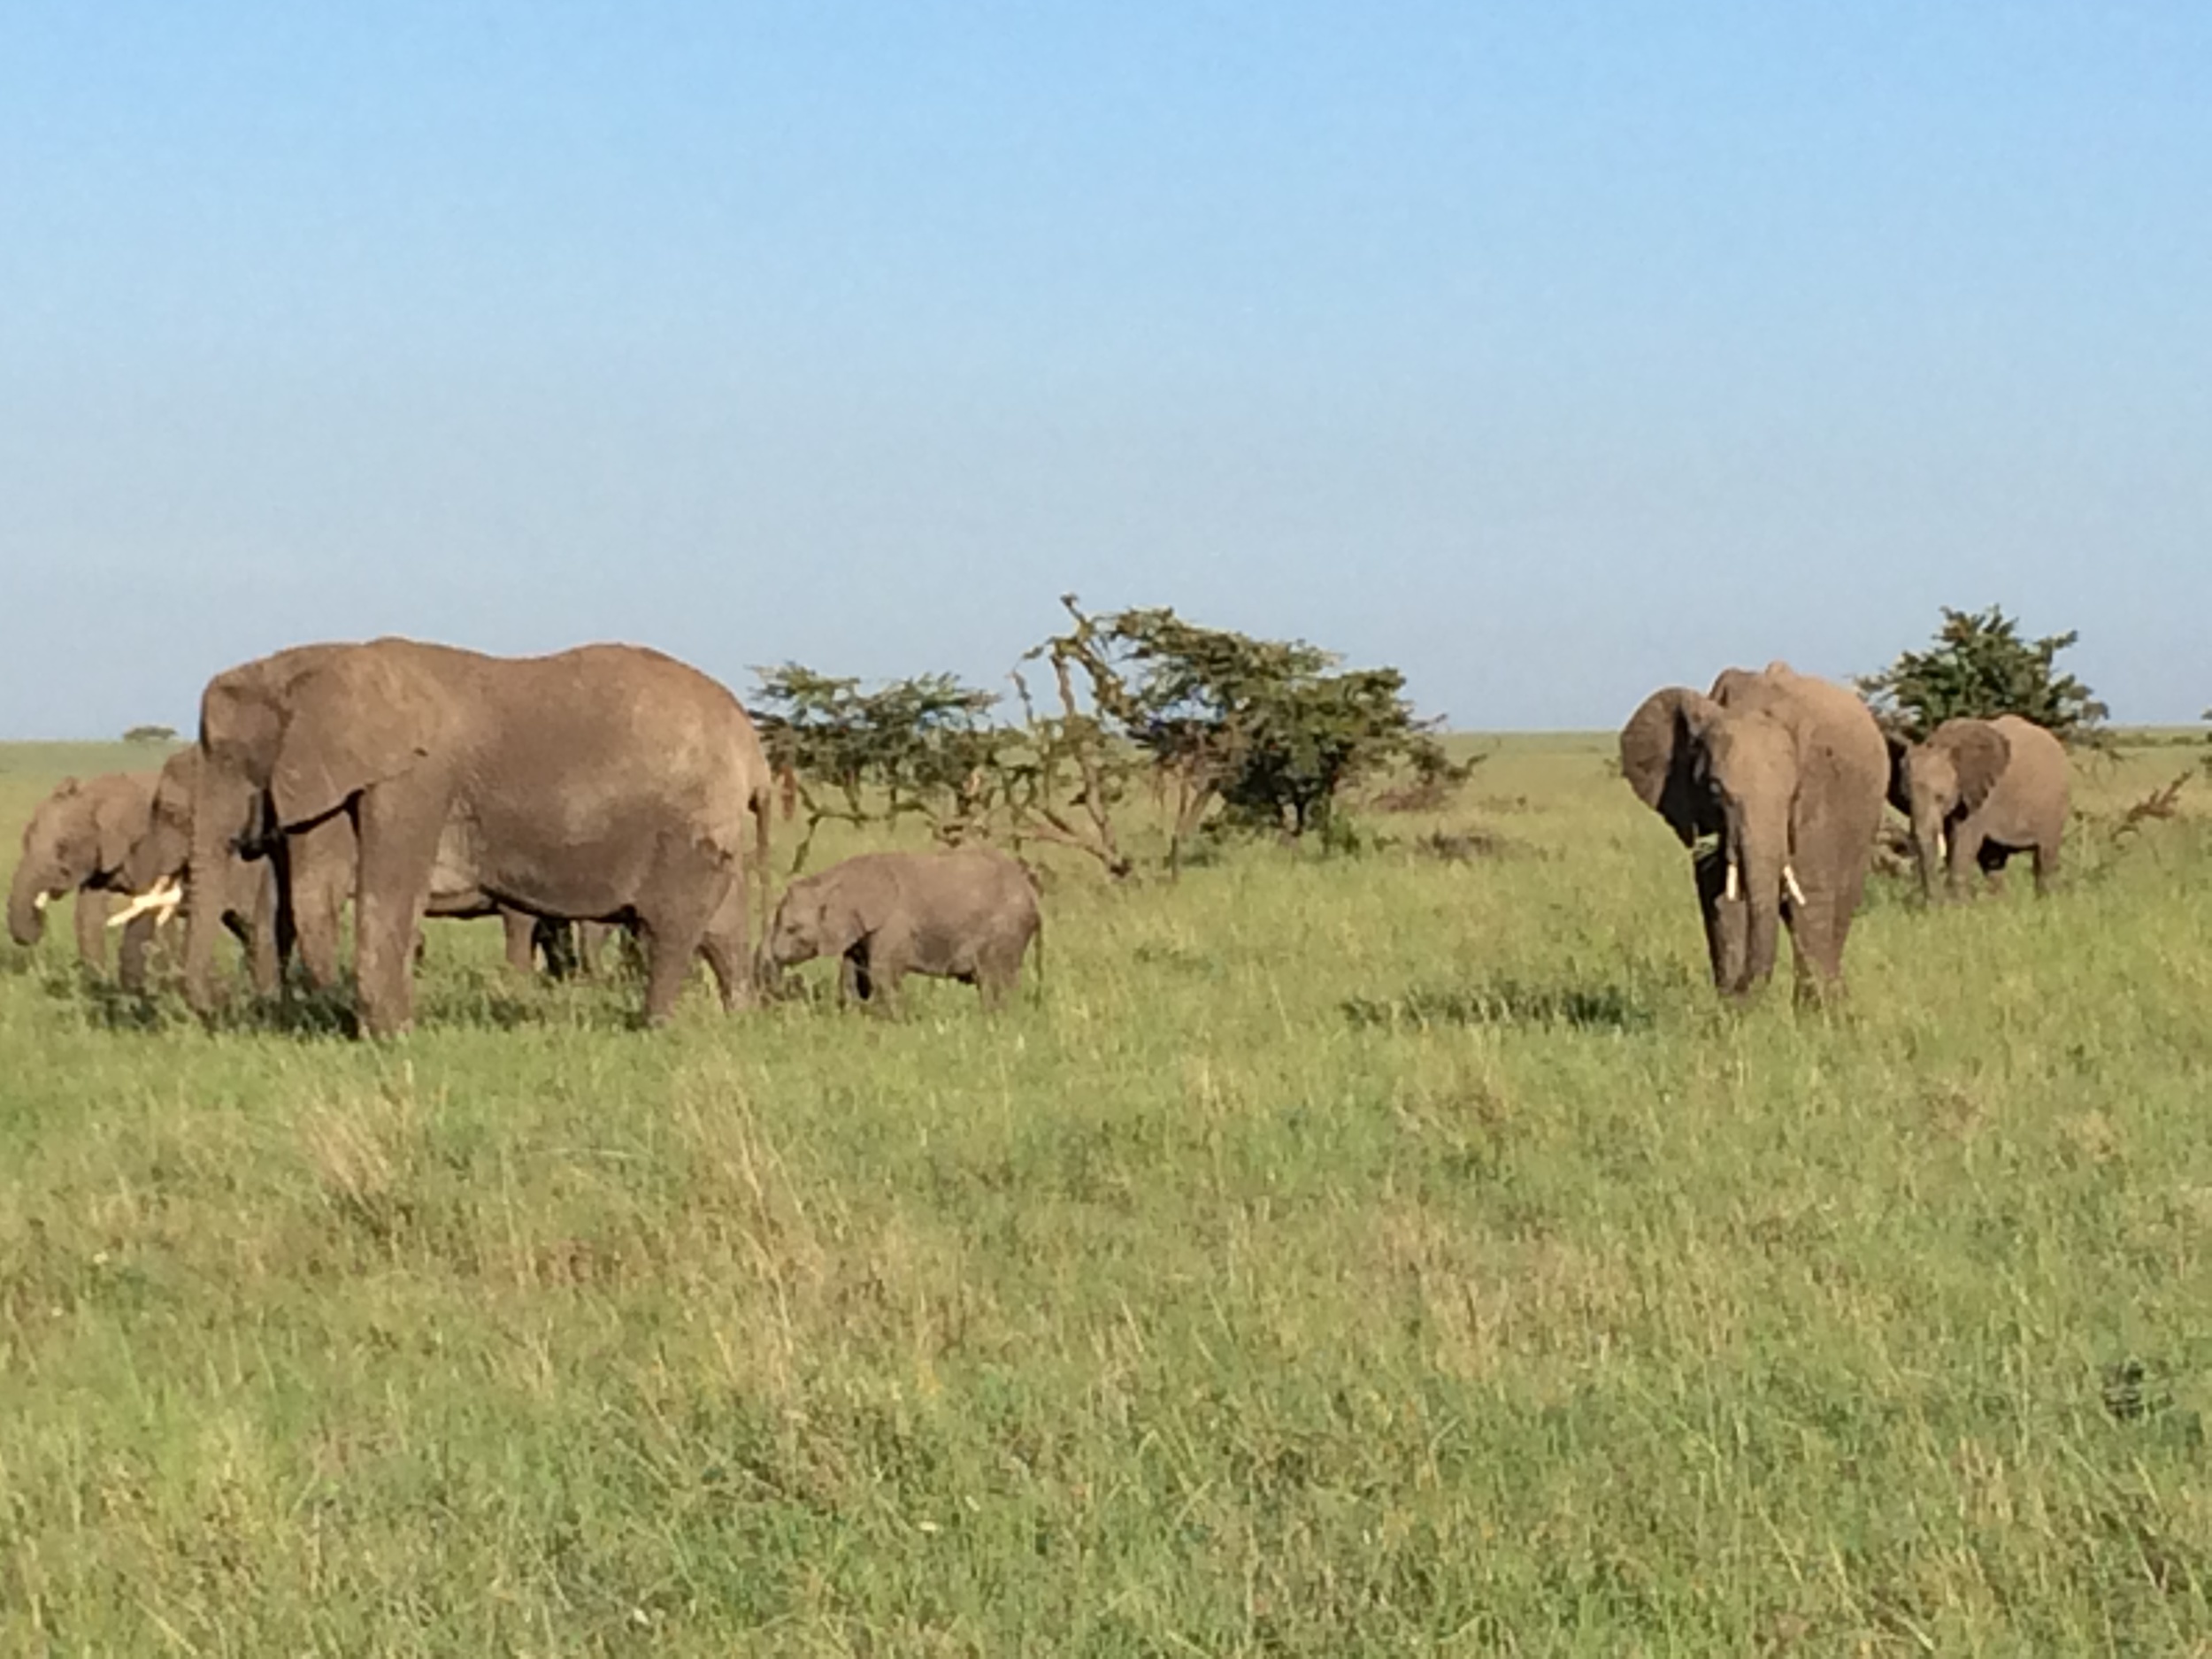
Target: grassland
{"type": "Point", "coordinates": [1376, 1255]}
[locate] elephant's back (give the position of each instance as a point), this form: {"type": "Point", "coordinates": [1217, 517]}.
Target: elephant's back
{"type": "Point", "coordinates": [2036, 746]}
{"type": "Point", "coordinates": [639, 724]}
{"type": "Point", "coordinates": [1851, 749]}
{"type": "Point", "coordinates": [993, 882]}
{"type": "Point", "coordinates": [2037, 774]}
{"type": "Point", "coordinates": [1848, 727]}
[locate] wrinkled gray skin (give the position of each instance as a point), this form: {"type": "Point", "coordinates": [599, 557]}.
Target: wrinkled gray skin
{"type": "Point", "coordinates": [318, 874]}
{"type": "Point", "coordinates": [966, 915]}
{"type": "Point", "coordinates": [1782, 772]}
{"type": "Point", "coordinates": [77, 842]}
{"type": "Point", "coordinates": [608, 783]}
{"type": "Point", "coordinates": [1978, 792]}
{"type": "Point", "coordinates": [241, 895]}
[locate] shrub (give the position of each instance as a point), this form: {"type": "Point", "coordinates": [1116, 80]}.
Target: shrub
{"type": "Point", "coordinates": [1979, 667]}
{"type": "Point", "coordinates": [1269, 730]}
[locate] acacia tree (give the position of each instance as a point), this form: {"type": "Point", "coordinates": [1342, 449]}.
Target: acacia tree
{"type": "Point", "coordinates": [923, 747]}
{"type": "Point", "coordinates": [1268, 729]}
{"type": "Point", "coordinates": [1268, 733]}
{"type": "Point", "coordinates": [1977, 668]}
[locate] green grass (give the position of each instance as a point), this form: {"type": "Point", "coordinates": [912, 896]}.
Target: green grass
{"type": "Point", "coordinates": [1376, 1254]}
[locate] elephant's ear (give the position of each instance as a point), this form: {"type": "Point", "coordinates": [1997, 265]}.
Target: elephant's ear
{"type": "Point", "coordinates": [239, 722]}
{"type": "Point", "coordinates": [1900, 780]}
{"type": "Point", "coordinates": [1660, 747]}
{"type": "Point", "coordinates": [864, 897]}
{"type": "Point", "coordinates": [354, 723]}
{"type": "Point", "coordinates": [1980, 753]}
{"type": "Point", "coordinates": [119, 817]}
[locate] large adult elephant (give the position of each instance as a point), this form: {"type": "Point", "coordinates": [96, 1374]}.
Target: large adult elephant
{"type": "Point", "coordinates": [1786, 775]}
{"type": "Point", "coordinates": [287, 902]}
{"type": "Point", "coordinates": [1979, 791]}
{"type": "Point", "coordinates": [607, 783]}
{"type": "Point", "coordinates": [78, 842]}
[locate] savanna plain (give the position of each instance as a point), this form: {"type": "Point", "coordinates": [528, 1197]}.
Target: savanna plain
{"type": "Point", "coordinates": [1392, 1252]}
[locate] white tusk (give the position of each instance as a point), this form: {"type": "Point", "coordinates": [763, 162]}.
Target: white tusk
{"type": "Point", "coordinates": [41, 901]}
{"type": "Point", "coordinates": [164, 896]}
{"type": "Point", "coordinates": [1943, 847]}
{"type": "Point", "coordinates": [1789, 881]}
{"type": "Point", "coordinates": [1734, 890]}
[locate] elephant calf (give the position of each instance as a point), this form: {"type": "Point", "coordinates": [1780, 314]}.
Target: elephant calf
{"type": "Point", "coordinates": [1978, 792]}
{"type": "Point", "coordinates": [967, 915]}
{"type": "Point", "coordinates": [77, 842]}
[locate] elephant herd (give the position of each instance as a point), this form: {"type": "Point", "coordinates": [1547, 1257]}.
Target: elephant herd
{"type": "Point", "coordinates": [1777, 781]}
{"type": "Point", "coordinates": [613, 785]}
{"type": "Point", "coordinates": [608, 784]}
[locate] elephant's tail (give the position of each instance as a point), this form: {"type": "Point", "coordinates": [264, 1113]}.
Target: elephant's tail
{"type": "Point", "coordinates": [764, 875]}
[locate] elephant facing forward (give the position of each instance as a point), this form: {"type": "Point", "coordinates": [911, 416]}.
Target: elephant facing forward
{"type": "Point", "coordinates": [608, 783]}
{"type": "Point", "coordinates": [78, 842]}
{"type": "Point", "coordinates": [1784, 776]}
{"type": "Point", "coordinates": [1978, 792]}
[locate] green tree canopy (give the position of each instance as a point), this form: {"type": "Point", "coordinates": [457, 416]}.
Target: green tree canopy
{"type": "Point", "coordinates": [1980, 667]}
{"type": "Point", "coordinates": [1271, 729]}
{"type": "Point", "coordinates": [925, 746]}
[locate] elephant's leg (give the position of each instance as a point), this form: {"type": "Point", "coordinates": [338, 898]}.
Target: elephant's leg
{"type": "Point", "coordinates": [521, 932]}
{"type": "Point", "coordinates": [92, 927]}
{"type": "Point", "coordinates": [1725, 918]}
{"type": "Point", "coordinates": [726, 945]}
{"type": "Point", "coordinates": [853, 984]}
{"type": "Point", "coordinates": [995, 980]}
{"type": "Point", "coordinates": [399, 848]}
{"type": "Point", "coordinates": [560, 944]}
{"type": "Point", "coordinates": [270, 930]}
{"type": "Point", "coordinates": [1815, 955]}
{"type": "Point", "coordinates": [887, 976]}
{"type": "Point", "coordinates": [674, 923]}
{"type": "Point", "coordinates": [1966, 859]}
{"type": "Point", "coordinates": [590, 937]}
{"type": "Point", "coordinates": [1829, 866]}
{"type": "Point", "coordinates": [318, 915]}
{"type": "Point", "coordinates": [670, 945]}
{"type": "Point", "coordinates": [2045, 865]}
{"type": "Point", "coordinates": [130, 964]}
{"type": "Point", "coordinates": [1992, 860]}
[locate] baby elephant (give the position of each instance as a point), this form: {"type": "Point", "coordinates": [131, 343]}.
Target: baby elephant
{"type": "Point", "coordinates": [967, 915]}
{"type": "Point", "coordinates": [1977, 792]}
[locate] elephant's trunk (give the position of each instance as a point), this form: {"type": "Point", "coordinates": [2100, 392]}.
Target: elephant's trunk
{"type": "Point", "coordinates": [1930, 852]}
{"type": "Point", "coordinates": [1763, 901]}
{"type": "Point", "coordinates": [26, 916]}
{"type": "Point", "coordinates": [222, 805]}
{"type": "Point", "coordinates": [1748, 917]}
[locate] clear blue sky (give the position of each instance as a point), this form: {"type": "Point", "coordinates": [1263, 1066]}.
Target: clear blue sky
{"type": "Point", "coordinates": [1550, 350]}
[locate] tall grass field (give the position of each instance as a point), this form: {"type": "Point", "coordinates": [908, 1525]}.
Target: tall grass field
{"type": "Point", "coordinates": [1395, 1252]}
